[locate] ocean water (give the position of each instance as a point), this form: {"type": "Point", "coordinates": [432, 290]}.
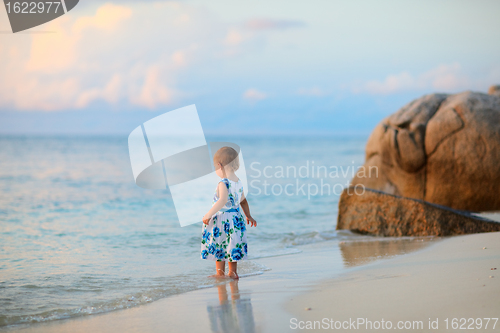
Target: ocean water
{"type": "Point", "coordinates": [78, 237]}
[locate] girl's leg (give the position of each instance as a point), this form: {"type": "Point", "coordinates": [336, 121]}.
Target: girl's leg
{"type": "Point", "coordinates": [233, 268]}
{"type": "Point", "coordinates": [223, 293]}
{"type": "Point", "coordinates": [220, 268]}
{"type": "Point", "coordinates": [235, 293]}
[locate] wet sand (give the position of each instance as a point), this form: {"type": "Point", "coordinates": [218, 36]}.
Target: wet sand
{"type": "Point", "coordinates": [456, 278]}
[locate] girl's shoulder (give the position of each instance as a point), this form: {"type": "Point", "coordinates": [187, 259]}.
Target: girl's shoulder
{"type": "Point", "coordinates": [231, 185]}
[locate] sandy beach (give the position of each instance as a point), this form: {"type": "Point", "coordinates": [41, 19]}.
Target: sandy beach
{"type": "Point", "coordinates": [455, 278]}
{"type": "Point", "coordinates": [435, 280]}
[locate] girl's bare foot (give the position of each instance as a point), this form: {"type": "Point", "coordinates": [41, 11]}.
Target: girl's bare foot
{"type": "Point", "coordinates": [219, 275]}
{"type": "Point", "coordinates": [233, 275]}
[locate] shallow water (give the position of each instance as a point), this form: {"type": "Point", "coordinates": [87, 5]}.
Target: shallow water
{"type": "Point", "coordinates": [79, 237]}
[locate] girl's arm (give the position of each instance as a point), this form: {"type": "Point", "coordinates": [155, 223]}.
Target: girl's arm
{"type": "Point", "coordinates": [246, 209]}
{"type": "Point", "coordinates": [222, 191]}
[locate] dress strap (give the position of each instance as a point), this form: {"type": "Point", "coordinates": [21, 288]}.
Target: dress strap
{"type": "Point", "coordinates": [225, 181]}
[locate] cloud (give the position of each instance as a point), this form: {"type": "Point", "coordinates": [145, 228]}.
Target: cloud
{"type": "Point", "coordinates": [110, 92]}
{"type": "Point", "coordinates": [154, 92]}
{"type": "Point", "coordinates": [270, 24]}
{"type": "Point", "coordinates": [254, 95]}
{"type": "Point", "coordinates": [447, 77]}
{"type": "Point", "coordinates": [233, 37]}
{"type": "Point", "coordinates": [128, 55]}
{"type": "Point", "coordinates": [313, 91]}
{"type": "Point", "coordinates": [108, 17]}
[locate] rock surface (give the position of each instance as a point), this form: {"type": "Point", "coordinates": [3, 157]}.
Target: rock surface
{"type": "Point", "coordinates": [440, 148]}
{"type": "Point", "coordinates": [378, 213]}
{"type": "Point", "coordinates": [494, 90]}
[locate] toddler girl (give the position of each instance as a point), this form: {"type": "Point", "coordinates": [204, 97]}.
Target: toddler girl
{"type": "Point", "coordinates": [224, 232]}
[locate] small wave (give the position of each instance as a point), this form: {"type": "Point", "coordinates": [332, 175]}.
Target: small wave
{"type": "Point", "coordinates": [250, 274]}
{"type": "Point", "coordinates": [275, 253]}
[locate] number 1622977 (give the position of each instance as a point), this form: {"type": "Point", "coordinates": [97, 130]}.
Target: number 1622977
{"type": "Point", "coordinates": [33, 7]}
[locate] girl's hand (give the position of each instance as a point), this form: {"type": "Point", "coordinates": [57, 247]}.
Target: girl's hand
{"type": "Point", "coordinates": [251, 221]}
{"type": "Point", "coordinates": [206, 219]}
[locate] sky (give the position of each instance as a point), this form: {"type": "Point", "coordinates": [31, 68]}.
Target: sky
{"type": "Point", "coordinates": [250, 67]}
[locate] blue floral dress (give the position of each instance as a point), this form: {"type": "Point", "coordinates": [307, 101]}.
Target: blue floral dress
{"type": "Point", "coordinates": [224, 238]}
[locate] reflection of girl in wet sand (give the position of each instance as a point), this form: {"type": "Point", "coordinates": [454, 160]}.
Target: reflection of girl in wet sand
{"type": "Point", "coordinates": [234, 316]}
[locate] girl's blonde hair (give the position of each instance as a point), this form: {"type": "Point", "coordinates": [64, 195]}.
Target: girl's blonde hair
{"type": "Point", "coordinates": [227, 156]}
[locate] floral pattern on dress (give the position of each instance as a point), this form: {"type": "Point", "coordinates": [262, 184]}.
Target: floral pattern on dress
{"type": "Point", "coordinates": [224, 238]}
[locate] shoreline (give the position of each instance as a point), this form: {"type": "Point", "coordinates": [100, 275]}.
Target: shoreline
{"type": "Point", "coordinates": [260, 296]}
{"type": "Point", "coordinates": [437, 280]}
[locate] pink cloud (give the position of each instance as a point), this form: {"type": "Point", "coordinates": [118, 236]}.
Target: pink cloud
{"type": "Point", "coordinates": [446, 77]}
{"type": "Point", "coordinates": [254, 95]}
{"type": "Point", "coordinates": [111, 56]}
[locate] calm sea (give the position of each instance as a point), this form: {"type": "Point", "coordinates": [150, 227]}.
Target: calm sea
{"type": "Point", "coordinates": [78, 237]}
